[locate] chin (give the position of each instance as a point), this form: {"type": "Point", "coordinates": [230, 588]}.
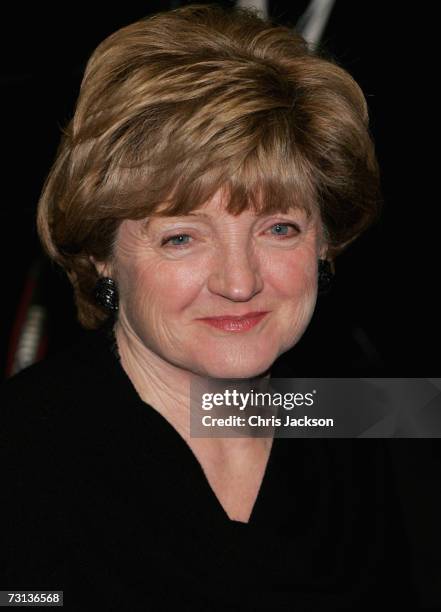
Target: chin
{"type": "Point", "coordinates": [251, 369]}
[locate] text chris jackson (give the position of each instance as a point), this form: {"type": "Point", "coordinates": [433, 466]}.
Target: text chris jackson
{"type": "Point", "coordinates": [258, 421]}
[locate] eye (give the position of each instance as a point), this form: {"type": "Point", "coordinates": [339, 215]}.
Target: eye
{"type": "Point", "coordinates": [178, 240]}
{"type": "Point", "coordinates": [283, 229]}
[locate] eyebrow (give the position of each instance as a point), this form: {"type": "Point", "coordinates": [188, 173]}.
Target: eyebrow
{"type": "Point", "coordinates": [190, 214]}
{"type": "Point", "coordinates": [207, 216]}
{"type": "Point", "coordinates": [197, 214]}
{"type": "Point", "coordinates": [147, 222]}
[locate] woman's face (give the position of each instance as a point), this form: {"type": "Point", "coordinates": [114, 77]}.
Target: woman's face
{"type": "Point", "coordinates": [174, 271]}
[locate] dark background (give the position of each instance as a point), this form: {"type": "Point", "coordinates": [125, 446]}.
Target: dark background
{"type": "Point", "coordinates": [382, 315]}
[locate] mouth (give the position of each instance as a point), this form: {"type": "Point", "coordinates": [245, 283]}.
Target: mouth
{"type": "Point", "coordinates": [235, 324]}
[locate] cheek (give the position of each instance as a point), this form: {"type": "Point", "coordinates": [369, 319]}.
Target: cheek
{"type": "Point", "coordinates": [294, 277]}
{"type": "Point", "coordinates": [148, 284]}
{"type": "Point", "coordinates": [294, 281]}
{"type": "Point", "coordinates": [152, 287]}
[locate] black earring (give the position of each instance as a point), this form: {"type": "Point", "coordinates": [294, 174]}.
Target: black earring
{"type": "Point", "coordinates": [325, 276]}
{"type": "Point", "coordinates": [106, 293]}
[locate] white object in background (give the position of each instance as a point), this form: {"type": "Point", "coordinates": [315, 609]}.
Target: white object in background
{"type": "Point", "coordinates": [260, 5]}
{"type": "Point", "coordinates": [30, 339]}
{"type": "Point", "coordinates": [312, 23]}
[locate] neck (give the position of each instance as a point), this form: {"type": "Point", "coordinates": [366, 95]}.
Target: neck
{"type": "Point", "coordinates": [159, 383]}
{"type": "Point", "coordinates": [166, 388]}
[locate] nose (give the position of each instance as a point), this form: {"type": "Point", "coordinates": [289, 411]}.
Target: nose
{"type": "Point", "coordinates": [235, 274]}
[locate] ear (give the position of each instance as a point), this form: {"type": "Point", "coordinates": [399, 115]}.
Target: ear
{"type": "Point", "coordinates": [322, 242]}
{"type": "Point", "coordinates": [323, 251]}
{"type": "Point", "coordinates": [103, 268]}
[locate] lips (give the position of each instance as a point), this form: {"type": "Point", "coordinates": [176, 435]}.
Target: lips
{"type": "Point", "coordinates": [234, 323]}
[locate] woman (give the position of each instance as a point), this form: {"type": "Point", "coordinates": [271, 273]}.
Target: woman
{"type": "Point", "coordinates": [213, 169]}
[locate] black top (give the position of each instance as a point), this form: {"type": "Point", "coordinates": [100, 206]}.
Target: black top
{"type": "Point", "coordinates": [103, 499]}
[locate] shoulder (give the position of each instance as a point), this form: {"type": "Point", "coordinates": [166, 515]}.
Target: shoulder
{"type": "Point", "coordinates": [416, 465]}
{"type": "Point", "coordinates": [42, 414]}
{"type": "Point", "coordinates": [49, 389]}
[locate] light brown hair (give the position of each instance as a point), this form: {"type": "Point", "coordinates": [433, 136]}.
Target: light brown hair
{"type": "Point", "coordinates": [179, 104]}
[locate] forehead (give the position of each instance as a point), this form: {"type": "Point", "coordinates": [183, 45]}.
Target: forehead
{"type": "Point", "coordinates": [220, 205]}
